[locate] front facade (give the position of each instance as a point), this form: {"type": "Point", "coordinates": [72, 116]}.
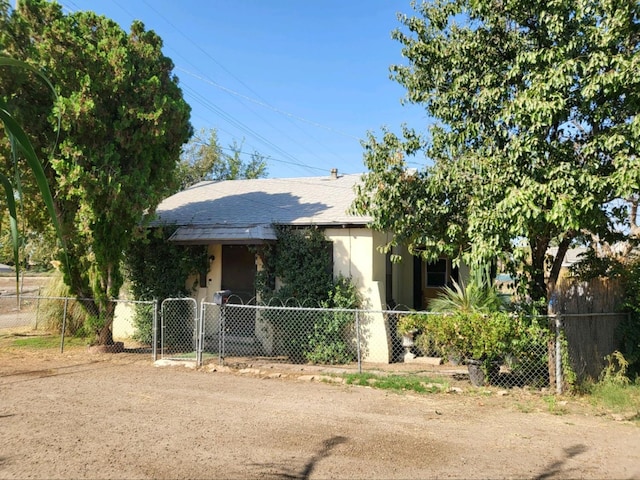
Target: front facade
{"type": "Point", "coordinates": [231, 217]}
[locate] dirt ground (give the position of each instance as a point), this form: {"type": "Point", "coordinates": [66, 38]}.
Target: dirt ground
{"type": "Point", "coordinates": [87, 415]}
{"type": "Point", "coordinates": [29, 284]}
{"type": "Point", "coordinates": [97, 416]}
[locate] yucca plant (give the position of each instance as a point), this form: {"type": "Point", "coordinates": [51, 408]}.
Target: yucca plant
{"type": "Point", "coordinates": [480, 295]}
{"type": "Point", "coordinates": [21, 146]}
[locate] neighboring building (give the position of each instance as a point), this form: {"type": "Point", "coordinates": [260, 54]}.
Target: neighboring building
{"type": "Point", "coordinates": [230, 216]}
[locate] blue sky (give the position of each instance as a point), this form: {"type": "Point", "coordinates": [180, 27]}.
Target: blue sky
{"type": "Point", "coordinates": [300, 82]}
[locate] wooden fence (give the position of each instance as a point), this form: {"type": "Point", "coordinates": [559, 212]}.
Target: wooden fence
{"type": "Point", "coordinates": [591, 317]}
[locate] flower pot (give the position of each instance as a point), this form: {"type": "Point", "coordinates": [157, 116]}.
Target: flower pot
{"type": "Point", "coordinates": [476, 373]}
{"type": "Point", "coordinates": [477, 376]}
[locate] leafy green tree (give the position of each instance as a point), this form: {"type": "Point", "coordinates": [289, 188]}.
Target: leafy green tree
{"type": "Point", "coordinates": [123, 122]}
{"type": "Point", "coordinates": [204, 159]}
{"type": "Point", "coordinates": [535, 132]}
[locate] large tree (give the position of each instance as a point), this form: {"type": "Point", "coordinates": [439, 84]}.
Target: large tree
{"type": "Point", "coordinates": [535, 132]}
{"type": "Point", "coordinates": [123, 122]}
{"type": "Point", "coordinates": [204, 159]}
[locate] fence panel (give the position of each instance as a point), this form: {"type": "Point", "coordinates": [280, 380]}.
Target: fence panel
{"type": "Point", "coordinates": [350, 338]}
{"type": "Point", "coordinates": [590, 338]}
{"type": "Point", "coordinates": [19, 312]}
{"type": "Point", "coordinates": [179, 329]}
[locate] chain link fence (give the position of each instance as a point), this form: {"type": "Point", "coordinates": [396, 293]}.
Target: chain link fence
{"type": "Point", "coordinates": [180, 329]}
{"type": "Point", "coordinates": [69, 316]}
{"type": "Point", "coordinates": [19, 312]}
{"type": "Point", "coordinates": [362, 340]}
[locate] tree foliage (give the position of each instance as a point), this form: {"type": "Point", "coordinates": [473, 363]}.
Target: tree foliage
{"type": "Point", "coordinates": [123, 122]}
{"type": "Point", "coordinates": [204, 159]}
{"type": "Point", "coordinates": [535, 132]}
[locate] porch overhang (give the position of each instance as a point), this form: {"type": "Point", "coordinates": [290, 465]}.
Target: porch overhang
{"type": "Point", "coordinates": [229, 235]}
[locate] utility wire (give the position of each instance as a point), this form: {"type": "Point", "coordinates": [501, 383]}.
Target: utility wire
{"type": "Point", "coordinates": [241, 126]}
{"type": "Point", "coordinates": [261, 101]}
{"type": "Point", "coordinates": [266, 105]}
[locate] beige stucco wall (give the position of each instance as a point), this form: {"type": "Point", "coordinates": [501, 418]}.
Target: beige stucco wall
{"type": "Point", "coordinates": [355, 255]}
{"type": "Point", "coordinates": [123, 327]}
{"type": "Point", "coordinates": [402, 273]}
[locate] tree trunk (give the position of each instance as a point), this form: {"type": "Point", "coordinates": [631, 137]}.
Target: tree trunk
{"type": "Point", "coordinates": [538, 253]}
{"type": "Point", "coordinates": [553, 309]}
{"type": "Point", "coordinates": [105, 336]}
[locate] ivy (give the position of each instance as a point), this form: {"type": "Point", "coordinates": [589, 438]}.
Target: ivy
{"type": "Point", "coordinates": [157, 269]}
{"type": "Point", "coordinates": [301, 261]}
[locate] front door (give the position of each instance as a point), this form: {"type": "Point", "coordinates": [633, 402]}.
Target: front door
{"type": "Point", "coordinates": [238, 275]}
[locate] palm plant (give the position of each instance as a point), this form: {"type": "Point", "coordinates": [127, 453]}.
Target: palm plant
{"type": "Point", "coordinates": [21, 145]}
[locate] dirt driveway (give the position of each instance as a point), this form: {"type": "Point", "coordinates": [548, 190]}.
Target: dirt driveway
{"type": "Point", "coordinates": [82, 415]}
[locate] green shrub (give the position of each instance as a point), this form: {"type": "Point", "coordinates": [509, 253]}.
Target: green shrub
{"type": "Point", "coordinates": [157, 269]}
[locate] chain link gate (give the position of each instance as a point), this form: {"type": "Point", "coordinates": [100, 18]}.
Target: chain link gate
{"type": "Point", "coordinates": [179, 329]}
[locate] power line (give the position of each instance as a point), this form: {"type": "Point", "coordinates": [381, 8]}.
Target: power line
{"type": "Point", "coordinates": [266, 105]}
{"type": "Point", "coordinates": [261, 102]}
{"type": "Point", "coordinates": [241, 126]}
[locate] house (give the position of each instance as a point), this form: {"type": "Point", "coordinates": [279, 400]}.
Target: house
{"type": "Point", "coordinates": [232, 216]}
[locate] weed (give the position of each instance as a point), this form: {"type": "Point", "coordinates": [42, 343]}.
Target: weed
{"type": "Point", "coordinates": [555, 406]}
{"type": "Point", "coordinates": [616, 398]}
{"type": "Point", "coordinates": [398, 383]}
{"type": "Point", "coordinates": [525, 407]}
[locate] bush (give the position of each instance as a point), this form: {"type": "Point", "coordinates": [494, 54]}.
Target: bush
{"type": "Point", "coordinates": [53, 311]}
{"type": "Point", "coordinates": [157, 269]}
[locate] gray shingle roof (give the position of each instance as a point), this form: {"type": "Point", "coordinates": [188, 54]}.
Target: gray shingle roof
{"type": "Point", "coordinates": [248, 203]}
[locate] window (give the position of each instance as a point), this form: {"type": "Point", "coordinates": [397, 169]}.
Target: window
{"type": "Point", "coordinates": [437, 273]}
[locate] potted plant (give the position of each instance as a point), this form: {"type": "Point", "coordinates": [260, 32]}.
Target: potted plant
{"type": "Point", "coordinates": [480, 339]}
{"type": "Point", "coordinates": [409, 326]}
{"type": "Point", "coordinates": [471, 324]}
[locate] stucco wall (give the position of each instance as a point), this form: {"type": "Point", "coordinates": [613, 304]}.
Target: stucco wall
{"type": "Point", "coordinates": [355, 256]}
{"type": "Point", "coordinates": [123, 327]}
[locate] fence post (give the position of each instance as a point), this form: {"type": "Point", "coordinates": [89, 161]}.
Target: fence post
{"type": "Point", "coordinates": [37, 309]}
{"type": "Point", "coordinates": [558, 332]}
{"type": "Point", "coordinates": [200, 339]}
{"type": "Point", "coordinates": [221, 329]}
{"type": "Point", "coordinates": [64, 324]}
{"type": "Point", "coordinates": [155, 329]}
{"type": "Point", "coordinates": [358, 350]}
